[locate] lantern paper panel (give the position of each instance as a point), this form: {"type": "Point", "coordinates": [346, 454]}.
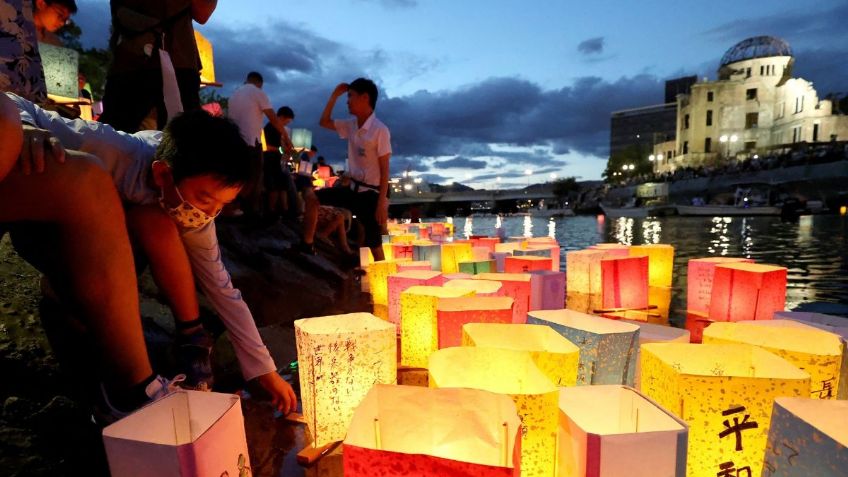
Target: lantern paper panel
{"type": "Point", "coordinates": [832, 324]}
{"type": "Point", "coordinates": [659, 304]}
{"type": "Point", "coordinates": [419, 322]}
{"type": "Point", "coordinates": [388, 250]}
{"type": "Point", "coordinates": [583, 269]}
{"type": "Point", "coordinates": [480, 287]}
{"type": "Point", "coordinates": [515, 286]}
{"type": "Point", "coordinates": [613, 249]}
{"type": "Point", "coordinates": [401, 281]}
{"type": "Point", "coordinates": [207, 57]}
{"type": "Point", "coordinates": [607, 347]}
{"type": "Point", "coordinates": [454, 313]}
{"type": "Point", "coordinates": [653, 333]}
{"type": "Point", "coordinates": [551, 251]}
{"type": "Point", "coordinates": [340, 358]}
{"type": "Point", "coordinates": [817, 352]}
{"type": "Point", "coordinates": [401, 250]}
{"type": "Point", "coordinates": [414, 377]}
{"type": "Point", "coordinates": [403, 238]}
{"type": "Point", "coordinates": [453, 254]}
{"type": "Point", "coordinates": [747, 291]}
{"type": "Point", "coordinates": [624, 283]}
{"type": "Point", "coordinates": [457, 276]}
{"type": "Point", "coordinates": [378, 279]}
{"type": "Point", "coordinates": [513, 373]}
{"type": "Point", "coordinates": [508, 247]}
{"type": "Point", "coordinates": [725, 394]}
{"type": "Point", "coordinates": [480, 253]}
{"type": "Point", "coordinates": [583, 302]}
{"type": "Point", "coordinates": [554, 355]}
{"type": "Point", "coordinates": [428, 253]}
{"type": "Point", "coordinates": [487, 242]}
{"type": "Point", "coordinates": [365, 259]}
{"type": "Point", "coordinates": [458, 432]}
{"type": "Point", "coordinates": [699, 281]}
{"type": "Point", "coordinates": [477, 266]}
{"type": "Point", "coordinates": [613, 431]}
{"type": "Point", "coordinates": [660, 262]}
{"type": "Point", "coordinates": [500, 260]}
{"type": "Point", "coordinates": [186, 433]}
{"type": "Point", "coordinates": [547, 290]}
{"type": "Point", "coordinates": [410, 266]}
{"type": "Point", "coordinates": [61, 71]}
{"type": "Point", "coordinates": [807, 437]}
{"type": "Point", "coordinates": [525, 264]}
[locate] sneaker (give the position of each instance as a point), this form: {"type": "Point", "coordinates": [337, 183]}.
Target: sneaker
{"type": "Point", "coordinates": [105, 413]}
{"type": "Point", "coordinates": [194, 359]}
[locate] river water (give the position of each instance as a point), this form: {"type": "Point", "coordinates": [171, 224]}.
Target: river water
{"type": "Point", "coordinates": [813, 248]}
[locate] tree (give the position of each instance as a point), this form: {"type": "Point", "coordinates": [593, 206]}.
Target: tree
{"type": "Point", "coordinates": [630, 155]}
{"type": "Point", "coordinates": [563, 188]}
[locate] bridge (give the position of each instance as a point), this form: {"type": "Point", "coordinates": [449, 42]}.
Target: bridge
{"type": "Point", "coordinates": [542, 191]}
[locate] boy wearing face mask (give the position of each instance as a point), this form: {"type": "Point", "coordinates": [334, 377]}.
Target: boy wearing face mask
{"type": "Point", "coordinates": [174, 183]}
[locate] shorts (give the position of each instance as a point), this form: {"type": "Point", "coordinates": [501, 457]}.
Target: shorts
{"type": "Point", "coordinates": [361, 204]}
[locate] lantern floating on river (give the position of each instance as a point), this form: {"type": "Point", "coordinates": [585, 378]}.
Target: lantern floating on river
{"type": "Point", "coordinates": [526, 264]}
{"type": "Point", "coordinates": [747, 291]}
{"type": "Point", "coordinates": [428, 252]}
{"type": "Point", "coordinates": [378, 280]}
{"type": "Point", "coordinates": [403, 280]}
{"type": "Point", "coordinates": [419, 322]}
{"type": "Point", "coordinates": [515, 286]}
{"type": "Point", "coordinates": [477, 266]}
{"type": "Point", "coordinates": [660, 262]}
{"type": "Point", "coordinates": [652, 333]}
{"type": "Point", "coordinates": [454, 313]}
{"type": "Point", "coordinates": [625, 283]}
{"type": "Point", "coordinates": [699, 281]}
{"type": "Point", "coordinates": [453, 254]}
{"type": "Point", "coordinates": [547, 290]}
{"type": "Point", "coordinates": [480, 287]}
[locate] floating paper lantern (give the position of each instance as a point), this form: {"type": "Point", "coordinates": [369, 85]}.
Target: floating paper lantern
{"type": "Point", "coordinates": [457, 276]}
{"type": "Point", "coordinates": [480, 287]}
{"type": "Point", "coordinates": [834, 324]}
{"type": "Point", "coordinates": [607, 347]}
{"type": "Point", "coordinates": [487, 242]}
{"type": "Point", "coordinates": [340, 358]}
{"type": "Point", "coordinates": [477, 266]}
{"type": "Point", "coordinates": [508, 247]}
{"type": "Point", "coordinates": [616, 431]}
{"type": "Point", "coordinates": [410, 266]}
{"type": "Point", "coordinates": [699, 281]}
{"type": "Point", "coordinates": [583, 271]}
{"type": "Point", "coordinates": [479, 436]}
{"type": "Point", "coordinates": [547, 290]}
{"type": "Point", "coordinates": [555, 356]}
{"type": "Point", "coordinates": [61, 72]}
{"type": "Point", "coordinates": [403, 280]}
{"type": "Point", "coordinates": [428, 253]}
{"type": "Point", "coordinates": [500, 260]}
{"type": "Point", "coordinates": [747, 291]}
{"type": "Point", "coordinates": [660, 262]}
{"type": "Point", "coordinates": [515, 286]}
{"type": "Point", "coordinates": [817, 352]}
{"type": "Point", "coordinates": [624, 283]}
{"type": "Point", "coordinates": [725, 394]}
{"type": "Point", "coordinates": [651, 333]}
{"type": "Point", "coordinates": [453, 313]}
{"type": "Point", "coordinates": [186, 433]}
{"type": "Point", "coordinates": [551, 251]}
{"type": "Point", "coordinates": [527, 263]}
{"type": "Point", "coordinates": [207, 60]}
{"type": "Point", "coordinates": [452, 254]}
{"type": "Point", "coordinates": [378, 279]}
{"type": "Point", "coordinates": [480, 253]}
{"type": "Point", "coordinates": [401, 250]}
{"type": "Point", "coordinates": [807, 437]}
{"type": "Point", "coordinates": [696, 323]}
{"type": "Point", "coordinates": [513, 373]}
{"type": "Point", "coordinates": [403, 238]}
{"type": "Point", "coordinates": [613, 249]}
{"type": "Point", "coordinates": [419, 322]}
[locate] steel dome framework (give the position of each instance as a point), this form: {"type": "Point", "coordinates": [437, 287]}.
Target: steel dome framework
{"type": "Point", "coordinates": [756, 47]}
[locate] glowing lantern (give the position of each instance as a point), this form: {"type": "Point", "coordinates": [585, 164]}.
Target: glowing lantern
{"type": "Point", "coordinates": [453, 313]}
{"type": "Point", "coordinates": [555, 356]}
{"type": "Point", "coordinates": [547, 290]}
{"type": "Point", "coordinates": [551, 251]}
{"type": "Point", "coordinates": [401, 250]}
{"type": "Point", "coordinates": [207, 60]}
{"type": "Point", "coordinates": [479, 436]}
{"type": "Point", "coordinates": [480, 253]}
{"type": "Point", "coordinates": [660, 262]}
{"type": "Point", "coordinates": [403, 238]}
{"type": "Point", "coordinates": [834, 324]}
{"type": "Point", "coordinates": [625, 283]}
{"type": "Point", "coordinates": [452, 254]}
{"type": "Point", "coordinates": [428, 253]}
{"type": "Point", "coordinates": [388, 250]}
{"type": "Point", "coordinates": [301, 141]}
{"type": "Point", "coordinates": [747, 291]}
{"type": "Point", "coordinates": [424, 231]}
{"type": "Point", "coordinates": [365, 259]}
{"type": "Point", "coordinates": [613, 249]}
{"type": "Point", "coordinates": [613, 431]}
{"type": "Point", "coordinates": [340, 358]}
{"type": "Point", "coordinates": [817, 352]}
{"type": "Point", "coordinates": [477, 266]}
{"type": "Point", "coordinates": [419, 322]}
{"type": "Point", "coordinates": [526, 264]}
{"type": "Point", "coordinates": [513, 373]}
{"type": "Point", "coordinates": [515, 286]}
{"type": "Point", "coordinates": [378, 279]}
{"type": "Point", "coordinates": [607, 347]}
{"type": "Point", "coordinates": [403, 280]}
{"type": "Point", "coordinates": [61, 72]}
{"type": "Point", "coordinates": [807, 437]}
{"type": "Point", "coordinates": [651, 333]}
{"type": "Point", "coordinates": [583, 271]}
{"type": "Point", "coordinates": [507, 247]}
{"type": "Point", "coordinates": [699, 281]}
{"type": "Point", "coordinates": [500, 260]}
{"type": "Point", "coordinates": [457, 276]}
{"type": "Point", "coordinates": [725, 394]}
{"type": "Point", "coordinates": [487, 242]}
{"type": "Point", "coordinates": [480, 287]}
{"type": "Point", "coordinates": [186, 433]}
{"type": "Point", "coordinates": [410, 266]}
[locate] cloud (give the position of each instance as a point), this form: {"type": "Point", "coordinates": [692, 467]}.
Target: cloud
{"type": "Point", "coordinates": [592, 46]}
{"type": "Point", "coordinates": [460, 163]}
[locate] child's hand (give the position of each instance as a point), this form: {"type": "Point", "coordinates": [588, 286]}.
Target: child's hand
{"type": "Point", "coordinates": [37, 145]}
{"type": "Point", "coordinates": [282, 394]}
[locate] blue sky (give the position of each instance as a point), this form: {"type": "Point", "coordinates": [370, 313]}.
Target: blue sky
{"type": "Point", "coordinates": [476, 90]}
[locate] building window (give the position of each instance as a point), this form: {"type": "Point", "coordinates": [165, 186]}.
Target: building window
{"type": "Point", "coordinates": [762, 70]}
{"type": "Point", "coordinates": [709, 117]}
{"type": "Point", "coordinates": [799, 104]}
{"type": "Point", "coordinates": [686, 121]}
{"type": "Point", "coordinates": [708, 144]}
{"type": "Point", "coordinates": [748, 72]}
{"type": "Point", "coordinates": [781, 110]}
{"type": "Point", "coordinates": [709, 96]}
{"type": "Point", "coordinates": [815, 132]}
{"type": "Point", "coordinates": [751, 93]}
{"type": "Point", "coordinates": [751, 120]}
{"type": "Point", "coordinates": [685, 147]}
{"type": "Point", "coordinates": [796, 134]}
{"type": "Point", "coordinates": [750, 145]}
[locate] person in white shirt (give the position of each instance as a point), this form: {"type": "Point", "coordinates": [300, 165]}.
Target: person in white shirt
{"type": "Point", "coordinates": [369, 150]}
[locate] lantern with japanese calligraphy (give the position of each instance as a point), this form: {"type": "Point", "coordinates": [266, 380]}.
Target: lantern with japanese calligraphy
{"type": "Point", "coordinates": [651, 333]}
{"type": "Point", "coordinates": [815, 351]}
{"type": "Point", "coordinates": [454, 313]}
{"type": "Point", "coordinates": [555, 356]}
{"type": "Point", "coordinates": [624, 283]}
{"type": "Point", "coordinates": [614, 431]}
{"type": "Point", "coordinates": [513, 373]}
{"type": "Point", "coordinates": [832, 324]}
{"type": "Point", "coordinates": [401, 250]}
{"type": "Point", "coordinates": [515, 286]}
{"type": "Point", "coordinates": [527, 263]}
{"type": "Point", "coordinates": [660, 262]}
{"type": "Point", "coordinates": [607, 347]}
{"type": "Point", "coordinates": [340, 358]}
{"type": "Point", "coordinates": [725, 394]}
{"type": "Point", "coordinates": [428, 252]}
{"type": "Point", "coordinates": [480, 287]}
{"type": "Point", "coordinates": [378, 280]}
{"type": "Point", "coordinates": [453, 254]}
{"type": "Point", "coordinates": [547, 290]}
{"type": "Point", "coordinates": [474, 267]}
{"type": "Point", "coordinates": [747, 291]}
{"type": "Point", "coordinates": [807, 437]}
{"type": "Point", "coordinates": [401, 281]}
{"type": "Point", "coordinates": [458, 432]}
{"type": "Point", "coordinates": [419, 322]}
{"type": "Point", "coordinates": [699, 281]}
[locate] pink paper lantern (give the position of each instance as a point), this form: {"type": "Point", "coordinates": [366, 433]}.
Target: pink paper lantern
{"type": "Point", "coordinates": [547, 290]}
{"type": "Point", "coordinates": [515, 286]}
{"type": "Point", "coordinates": [747, 291]}
{"type": "Point", "coordinates": [625, 283]}
{"type": "Point", "coordinates": [401, 281]}
{"type": "Point", "coordinates": [699, 281]}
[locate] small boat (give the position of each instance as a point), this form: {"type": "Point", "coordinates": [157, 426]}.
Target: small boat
{"type": "Point", "coordinates": [644, 211]}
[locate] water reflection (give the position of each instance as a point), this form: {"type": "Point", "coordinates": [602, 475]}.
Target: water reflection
{"type": "Point", "coordinates": [528, 226]}
{"type": "Point", "coordinates": [805, 229]}
{"type": "Point", "coordinates": [747, 239]}
{"type": "Point", "coordinates": [623, 230]}
{"type": "Point", "coordinates": [721, 240]}
{"type": "Point", "coordinates": [552, 228]}
{"type": "Point", "coordinates": [468, 229]}
{"type": "Point", "coordinates": [651, 230]}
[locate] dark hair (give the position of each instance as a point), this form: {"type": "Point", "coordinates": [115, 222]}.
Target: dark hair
{"type": "Point", "coordinates": [196, 143]}
{"type": "Point", "coordinates": [320, 158]}
{"type": "Point", "coordinates": [255, 77]}
{"type": "Point", "coordinates": [365, 85]}
{"type": "Point", "coordinates": [314, 148]}
{"type": "Point", "coordinates": [71, 5]}
{"type": "Point", "coordinates": [285, 112]}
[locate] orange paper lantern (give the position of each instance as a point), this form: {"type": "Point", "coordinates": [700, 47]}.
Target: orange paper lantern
{"type": "Point", "coordinates": [526, 264]}
{"type": "Point", "coordinates": [747, 291]}
{"type": "Point", "coordinates": [515, 286]}
{"type": "Point", "coordinates": [452, 313]}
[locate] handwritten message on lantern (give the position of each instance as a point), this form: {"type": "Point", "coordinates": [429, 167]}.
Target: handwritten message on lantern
{"type": "Point", "coordinates": [699, 281]}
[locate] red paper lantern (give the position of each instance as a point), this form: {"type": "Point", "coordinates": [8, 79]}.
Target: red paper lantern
{"type": "Point", "coordinates": [625, 283]}
{"type": "Point", "coordinates": [526, 263]}
{"type": "Point", "coordinates": [699, 281]}
{"type": "Point", "coordinates": [747, 291]}
{"type": "Point", "coordinates": [452, 313]}
{"type": "Point", "coordinates": [515, 286]}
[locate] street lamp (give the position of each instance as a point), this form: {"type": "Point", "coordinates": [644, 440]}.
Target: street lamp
{"type": "Point", "coordinates": [553, 175]}
{"type": "Point", "coordinates": [652, 157]}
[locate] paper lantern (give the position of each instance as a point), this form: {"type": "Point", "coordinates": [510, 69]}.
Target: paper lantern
{"type": "Point", "coordinates": [555, 356]}
{"type": "Point", "coordinates": [207, 60]}
{"type": "Point", "coordinates": [607, 347]}
{"type": "Point", "coordinates": [817, 352]}
{"type": "Point", "coordinates": [403, 280]}
{"type": "Point", "coordinates": [747, 291]}
{"type": "Point", "coordinates": [428, 253]}
{"type": "Point", "coordinates": [453, 313]}
{"type": "Point", "coordinates": [513, 373]}
{"type": "Point", "coordinates": [479, 435]}
{"type": "Point", "coordinates": [699, 281]}
{"type": "Point", "coordinates": [725, 394]}
{"type": "Point", "coordinates": [480, 287]}
{"type": "Point", "coordinates": [515, 286]}
{"type": "Point", "coordinates": [613, 249]}
{"type": "Point", "coordinates": [807, 437]}
{"type": "Point", "coordinates": [583, 271]}
{"type": "Point", "coordinates": [410, 266]}
{"type": "Point", "coordinates": [547, 290]}
{"type": "Point", "coordinates": [186, 433]}
{"type": "Point", "coordinates": [508, 247]}
{"type": "Point", "coordinates": [477, 266]}
{"type": "Point", "coordinates": [660, 262]}
{"type": "Point", "coordinates": [614, 431]}
{"type": "Point", "coordinates": [487, 242]}
{"type": "Point", "coordinates": [340, 358]}
{"type": "Point", "coordinates": [833, 324]}
{"type": "Point", "coordinates": [651, 333]}
{"type": "Point", "coordinates": [551, 251]}
{"type": "Point", "coordinates": [400, 251]}
{"type": "Point", "coordinates": [419, 322]}
{"type": "Point", "coordinates": [61, 72]}
{"type": "Point", "coordinates": [453, 254]}
{"type": "Point", "coordinates": [624, 283]}
{"type": "Point", "coordinates": [500, 260]}
{"type": "Point", "coordinates": [388, 250]}
{"type": "Point", "coordinates": [457, 276]}
{"type": "Point", "coordinates": [480, 253]}
{"type": "Point", "coordinates": [526, 264]}
{"type": "Point", "coordinates": [403, 238]}
{"type": "Point", "coordinates": [378, 279]}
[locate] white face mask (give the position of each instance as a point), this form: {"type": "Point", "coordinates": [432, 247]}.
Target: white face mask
{"type": "Point", "coordinates": [186, 215]}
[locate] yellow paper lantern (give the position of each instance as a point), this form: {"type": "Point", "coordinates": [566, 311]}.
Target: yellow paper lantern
{"type": "Point", "coordinates": [555, 356]}
{"type": "Point", "coordinates": [388, 250]}
{"type": "Point", "coordinates": [651, 333]}
{"type": "Point", "coordinates": [583, 271]}
{"type": "Point", "coordinates": [378, 279]}
{"type": "Point", "coordinates": [480, 287]}
{"type": "Point", "coordinates": [207, 60]}
{"type": "Point", "coordinates": [515, 286]}
{"type": "Point", "coordinates": [512, 373]}
{"type": "Point", "coordinates": [403, 238]}
{"type": "Point", "coordinates": [453, 253]}
{"type": "Point", "coordinates": [699, 281]}
{"type": "Point", "coordinates": [340, 358]}
{"type": "Point", "coordinates": [401, 281]}
{"type": "Point", "coordinates": [419, 322]}
{"type": "Point", "coordinates": [660, 262]}
{"type": "Point", "coordinates": [815, 351]}
{"type": "Point", "coordinates": [725, 393]}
